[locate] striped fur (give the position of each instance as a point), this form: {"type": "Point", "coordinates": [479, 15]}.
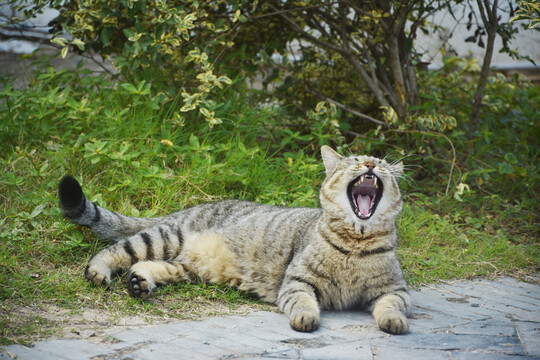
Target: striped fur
{"type": "Point", "coordinates": [302, 259]}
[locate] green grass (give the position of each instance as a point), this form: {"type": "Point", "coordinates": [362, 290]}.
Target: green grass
{"type": "Point", "coordinates": [434, 247]}
{"type": "Point", "coordinates": [131, 156]}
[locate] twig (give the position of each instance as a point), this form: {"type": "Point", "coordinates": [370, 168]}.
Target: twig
{"type": "Point", "coordinates": [345, 108]}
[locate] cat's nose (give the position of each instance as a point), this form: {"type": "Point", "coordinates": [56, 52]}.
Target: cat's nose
{"type": "Point", "coordinates": [369, 165]}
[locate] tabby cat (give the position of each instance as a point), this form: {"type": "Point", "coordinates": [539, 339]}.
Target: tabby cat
{"type": "Point", "coordinates": [301, 259]}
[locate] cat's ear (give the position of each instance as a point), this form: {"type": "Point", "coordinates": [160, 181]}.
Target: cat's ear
{"type": "Point", "coordinates": [330, 158]}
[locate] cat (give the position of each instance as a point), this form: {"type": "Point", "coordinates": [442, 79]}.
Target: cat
{"type": "Point", "coordinates": [302, 259]}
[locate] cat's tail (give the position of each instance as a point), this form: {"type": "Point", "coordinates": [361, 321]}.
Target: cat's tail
{"type": "Point", "coordinates": [104, 223]}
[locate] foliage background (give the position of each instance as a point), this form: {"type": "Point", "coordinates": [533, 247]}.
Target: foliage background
{"type": "Point", "coordinates": [179, 123]}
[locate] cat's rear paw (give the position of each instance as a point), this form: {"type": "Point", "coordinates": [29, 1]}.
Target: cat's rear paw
{"type": "Point", "coordinates": [140, 285]}
{"type": "Point", "coordinates": [98, 275]}
{"type": "Point", "coordinates": [394, 323]}
{"type": "Point", "coordinates": [305, 321]}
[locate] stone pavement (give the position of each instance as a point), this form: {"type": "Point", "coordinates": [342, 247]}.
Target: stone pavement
{"type": "Point", "coordinates": [456, 320]}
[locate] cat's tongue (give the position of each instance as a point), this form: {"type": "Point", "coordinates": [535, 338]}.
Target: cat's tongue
{"type": "Point", "coordinates": [364, 204]}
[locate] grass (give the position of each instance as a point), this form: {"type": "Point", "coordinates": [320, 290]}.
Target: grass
{"type": "Point", "coordinates": [433, 248]}
{"type": "Point", "coordinates": [132, 156]}
{"type": "Point", "coordinates": [24, 329]}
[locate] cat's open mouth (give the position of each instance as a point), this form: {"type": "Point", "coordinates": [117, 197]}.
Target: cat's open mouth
{"type": "Point", "coordinates": [365, 192]}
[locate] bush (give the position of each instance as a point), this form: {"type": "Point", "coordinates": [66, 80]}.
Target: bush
{"type": "Point", "coordinates": [171, 45]}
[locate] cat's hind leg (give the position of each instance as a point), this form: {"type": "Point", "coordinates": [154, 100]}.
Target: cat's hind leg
{"type": "Point", "coordinates": [205, 257]}
{"type": "Point", "coordinates": [143, 277]}
{"type": "Point", "coordinates": [160, 242]}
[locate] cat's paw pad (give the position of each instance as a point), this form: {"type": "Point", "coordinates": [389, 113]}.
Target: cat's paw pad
{"type": "Point", "coordinates": [305, 321]}
{"type": "Point", "coordinates": [139, 285]}
{"type": "Point", "coordinates": [394, 323]}
{"type": "Point", "coordinates": [98, 275]}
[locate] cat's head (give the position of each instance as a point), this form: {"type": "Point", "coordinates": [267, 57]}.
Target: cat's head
{"type": "Point", "coordinates": [361, 189]}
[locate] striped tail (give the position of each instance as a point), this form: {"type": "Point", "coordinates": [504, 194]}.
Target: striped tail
{"type": "Point", "coordinates": [104, 223]}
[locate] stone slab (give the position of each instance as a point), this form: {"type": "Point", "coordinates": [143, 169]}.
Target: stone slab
{"type": "Point", "coordinates": [529, 334]}
{"type": "Point", "coordinates": [464, 320]}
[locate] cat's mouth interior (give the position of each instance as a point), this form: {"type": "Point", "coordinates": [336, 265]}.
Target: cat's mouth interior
{"type": "Point", "coordinates": [365, 192]}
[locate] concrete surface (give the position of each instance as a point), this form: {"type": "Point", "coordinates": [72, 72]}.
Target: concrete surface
{"type": "Point", "coordinates": [457, 320]}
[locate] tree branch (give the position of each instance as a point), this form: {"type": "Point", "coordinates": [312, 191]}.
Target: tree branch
{"type": "Point", "coordinates": [307, 35]}
{"type": "Point", "coordinates": [490, 23]}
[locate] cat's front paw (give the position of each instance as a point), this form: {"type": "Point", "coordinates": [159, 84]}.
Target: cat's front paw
{"type": "Point", "coordinates": [98, 274]}
{"type": "Point", "coordinates": [394, 323]}
{"type": "Point", "coordinates": [140, 285]}
{"type": "Point", "coordinates": [305, 321]}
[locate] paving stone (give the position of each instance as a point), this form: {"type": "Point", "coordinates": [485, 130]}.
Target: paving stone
{"type": "Point", "coordinates": [26, 353]}
{"type": "Point", "coordinates": [72, 349]}
{"type": "Point", "coordinates": [280, 354]}
{"type": "Point", "coordinates": [177, 349]}
{"type": "Point", "coordinates": [529, 334]}
{"type": "Point", "coordinates": [463, 320]}
{"type": "Point", "coordinates": [350, 325]}
{"type": "Point", "coordinates": [264, 326]}
{"type": "Point", "coordinates": [358, 350]}
{"type": "Point", "coordinates": [513, 287]}
{"type": "Point", "coordinates": [487, 356]}
{"type": "Point", "coordinates": [449, 304]}
{"type": "Point", "coordinates": [493, 300]}
{"type": "Point", "coordinates": [358, 332]}
{"type": "Point", "coordinates": [272, 353]}
{"type": "Point", "coordinates": [396, 353]}
{"type": "Point", "coordinates": [504, 295]}
{"type": "Point", "coordinates": [486, 327]}
{"type": "Point", "coordinates": [529, 288]}
{"type": "Point", "coordinates": [429, 320]}
{"type": "Point", "coordinates": [500, 344]}
{"type": "Point", "coordinates": [332, 319]}
{"type": "Point", "coordinates": [151, 333]}
{"type": "Point", "coordinates": [231, 342]}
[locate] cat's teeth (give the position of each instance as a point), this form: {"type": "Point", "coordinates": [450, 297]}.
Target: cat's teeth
{"type": "Point", "coordinates": [362, 178]}
{"type": "Point", "coordinates": [375, 181]}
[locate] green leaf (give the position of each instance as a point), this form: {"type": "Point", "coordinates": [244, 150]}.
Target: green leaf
{"type": "Point", "coordinates": [194, 143]}
{"type": "Point", "coordinates": [505, 168]}
{"type": "Point", "coordinates": [533, 23]}
{"type": "Point", "coordinates": [105, 36]}
{"type": "Point", "coordinates": [510, 158]}
{"type": "Point", "coordinates": [130, 87]}
{"type": "Point", "coordinates": [225, 79]}
{"type": "Point", "coordinates": [37, 210]}
{"type": "Point", "coordinates": [59, 41]}
{"type": "Point", "coordinates": [521, 171]}
{"type": "Point", "coordinates": [79, 43]}
{"type": "Point", "coordinates": [207, 113]}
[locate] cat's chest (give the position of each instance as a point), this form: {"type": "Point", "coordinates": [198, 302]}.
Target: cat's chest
{"type": "Point", "coordinates": [342, 279]}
